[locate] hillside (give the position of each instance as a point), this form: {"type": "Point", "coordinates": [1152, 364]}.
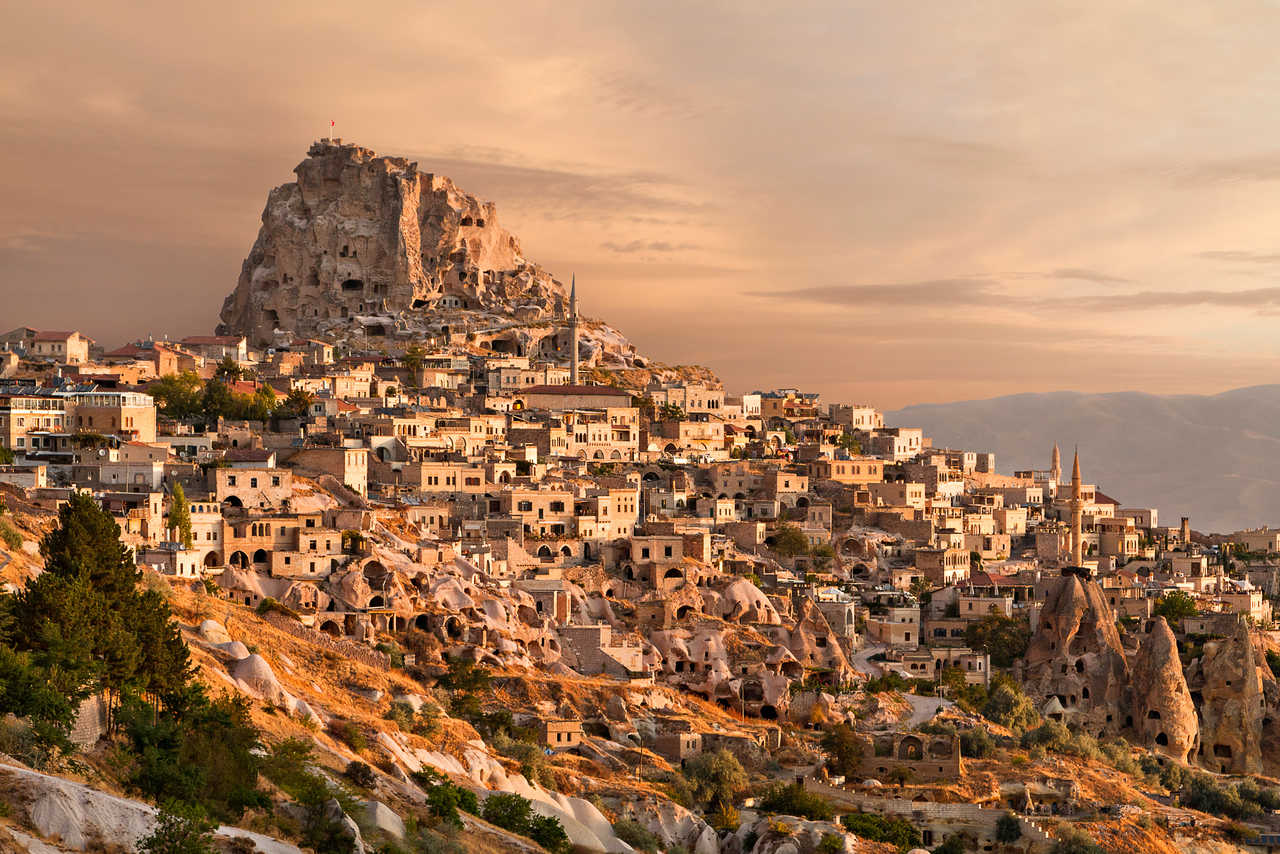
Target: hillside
{"type": "Point", "coordinates": [1210, 457]}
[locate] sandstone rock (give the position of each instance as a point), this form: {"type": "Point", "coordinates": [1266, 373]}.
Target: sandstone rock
{"type": "Point", "coordinates": [1231, 704]}
{"type": "Point", "coordinates": [381, 817]}
{"type": "Point", "coordinates": [1163, 714]}
{"type": "Point", "coordinates": [214, 632]}
{"type": "Point", "coordinates": [256, 677]}
{"type": "Point", "coordinates": [1076, 656]}
{"type": "Point", "coordinates": [368, 243]}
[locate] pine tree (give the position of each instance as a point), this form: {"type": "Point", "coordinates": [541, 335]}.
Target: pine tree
{"type": "Point", "coordinates": [180, 516]}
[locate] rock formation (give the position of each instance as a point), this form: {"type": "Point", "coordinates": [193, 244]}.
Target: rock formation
{"type": "Point", "coordinates": [1162, 714]}
{"type": "Point", "coordinates": [1076, 655]}
{"type": "Point", "coordinates": [1231, 704]}
{"type": "Point", "coordinates": [369, 247]}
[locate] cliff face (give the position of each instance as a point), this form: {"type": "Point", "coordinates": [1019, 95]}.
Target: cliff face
{"type": "Point", "coordinates": [365, 240]}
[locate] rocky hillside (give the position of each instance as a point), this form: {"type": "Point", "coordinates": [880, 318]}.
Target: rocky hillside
{"type": "Point", "coordinates": [1210, 456]}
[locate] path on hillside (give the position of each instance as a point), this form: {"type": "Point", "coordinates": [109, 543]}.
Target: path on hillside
{"type": "Point", "coordinates": [922, 708]}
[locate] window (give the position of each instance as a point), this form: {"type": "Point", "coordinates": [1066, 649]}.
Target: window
{"type": "Point", "coordinates": [231, 480]}
{"type": "Point", "coordinates": [644, 552]}
{"type": "Point", "coordinates": [253, 483]}
{"type": "Point", "coordinates": [275, 481]}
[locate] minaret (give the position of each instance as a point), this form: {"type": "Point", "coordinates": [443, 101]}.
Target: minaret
{"type": "Point", "coordinates": [1055, 466]}
{"type": "Point", "coordinates": [573, 331]}
{"type": "Point", "coordinates": [1077, 545]}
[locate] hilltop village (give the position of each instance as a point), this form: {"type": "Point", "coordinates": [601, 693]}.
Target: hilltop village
{"type": "Point", "coordinates": [413, 459]}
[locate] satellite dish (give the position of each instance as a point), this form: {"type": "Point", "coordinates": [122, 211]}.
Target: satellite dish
{"type": "Point", "coordinates": [102, 452]}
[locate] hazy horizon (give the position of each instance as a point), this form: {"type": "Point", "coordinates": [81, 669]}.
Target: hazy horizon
{"type": "Point", "coordinates": [892, 205]}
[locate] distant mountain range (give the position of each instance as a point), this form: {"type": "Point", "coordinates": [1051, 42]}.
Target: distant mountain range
{"type": "Point", "coordinates": [1214, 458]}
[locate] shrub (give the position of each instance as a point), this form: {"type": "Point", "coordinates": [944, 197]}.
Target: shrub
{"type": "Point", "coordinates": [1008, 829]}
{"type": "Point", "coordinates": [636, 835]}
{"type": "Point", "coordinates": [444, 798]}
{"type": "Point", "coordinates": [180, 829]}
{"type": "Point", "coordinates": [269, 605]}
{"type": "Point", "coordinates": [879, 828]}
{"type": "Point", "coordinates": [977, 743]}
{"type": "Point", "coordinates": [832, 843]}
{"type": "Point", "coordinates": [1008, 706]}
{"type": "Point", "coordinates": [361, 774]}
{"type": "Point", "coordinates": [514, 813]}
{"type": "Point", "coordinates": [715, 777]}
{"type": "Point", "coordinates": [349, 734]}
{"type": "Point", "coordinates": [10, 535]}
{"type": "Point", "coordinates": [1073, 841]}
{"type": "Point", "coordinates": [795, 799]}
{"type": "Point", "coordinates": [844, 748]}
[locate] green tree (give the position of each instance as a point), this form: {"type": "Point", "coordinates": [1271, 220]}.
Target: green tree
{"type": "Point", "coordinates": [296, 405]}
{"type": "Point", "coordinates": [178, 395]}
{"type": "Point", "coordinates": [216, 401]}
{"type": "Point", "coordinates": [1008, 829]}
{"type": "Point", "coordinates": [844, 750]}
{"type": "Point", "coordinates": [850, 444]}
{"type": "Point", "coordinates": [715, 777]}
{"type": "Point", "coordinates": [1004, 638]}
{"type": "Point", "coordinates": [790, 541]}
{"type": "Point", "coordinates": [180, 829]}
{"type": "Point", "coordinates": [413, 359]}
{"type": "Point", "coordinates": [670, 412]}
{"type": "Point", "coordinates": [822, 554]}
{"type": "Point", "coordinates": [228, 370]}
{"type": "Point", "coordinates": [1008, 706]}
{"type": "Point", "coordinates": [180, 515]}
{"type": "Point", "coordinates": [6, 456]}
{"type": "Point", "coordinates": [1174, 607]}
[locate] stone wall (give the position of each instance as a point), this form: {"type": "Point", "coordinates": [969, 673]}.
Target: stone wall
{"type": "Point", "coordinates": [90, 724]}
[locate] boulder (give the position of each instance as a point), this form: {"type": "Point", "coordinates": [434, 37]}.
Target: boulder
{"type": "Point", "coordinates": [213, 632]}
{"type": "Point", "coordinates": [381, 817]}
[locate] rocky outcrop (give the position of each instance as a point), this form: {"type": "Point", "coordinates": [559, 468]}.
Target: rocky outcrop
{"type": "Point", "coordinates": [369, 247]}
{"type": "Point", "coordinates": [1231, 703]}
{"type": "Point", "coordinates": [1161, 711]}
{"type": "Point", "coordinates": [1076, 656]}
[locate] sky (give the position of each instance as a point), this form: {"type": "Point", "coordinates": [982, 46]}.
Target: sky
{"type": "Point", "coordinates": [888, 203]}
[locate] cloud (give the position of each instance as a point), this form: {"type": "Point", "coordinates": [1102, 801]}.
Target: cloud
{"type": "Point", "coordinates": [1251, 298]}
{"type": "Point", "coordinates": [967, 291]}
{"type": "Point", "coordinates": [648, 246]}
{"type": "Point", "coordinates": [1086, 275]}
{"type": "Point", "coordinates": [1240, 256]}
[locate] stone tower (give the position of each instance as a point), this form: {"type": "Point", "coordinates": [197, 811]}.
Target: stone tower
{"type": "Point", "coordinates": [1077, 541]}
{"type": "Point", "coordinates": [1055, 466]}
{"type": "Point", "coordinates": [573, 331]}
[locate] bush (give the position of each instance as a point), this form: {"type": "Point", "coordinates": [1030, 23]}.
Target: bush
{"type": "Point", "coordinates": [888, 682]}
{"type": "Point", "coordinates": [832, 843]}
{"type": "Point", "coordinates": [349, 734]}
{"type": "Point", "coordinates": [10, 535]}
{"type": "Point", "coordinates": [879, 828]}
{"type": "Point", "coordinates": [715, 777]}
{"type": "Point", "coordinates": [844, 750]}
{"type": "Point", "coordinates": [514, 813]}
{"type": "Point", "coordinates": [794, 799]}
{"type": "Point", "coordinates": [269, 605]}
{"type": "Point", "coordinates": [180, 829]}
{"type": "Point", "coordinates": [1008, 829]}
{"type": "Point", "coordinates": [637, 835]}
{"type": "Point", "coordinates": [361, 774]}
{"type": "Point", "coordinates": [1008, 706]}
{"type": "Point", "coordinates": [1074, 841]}
{"type": "Point", "coordinates": [533, 762]}
{"type": "Point", "coordinates": [977, 743]}
{"type": "Point", "coordinates": [444, 798]}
